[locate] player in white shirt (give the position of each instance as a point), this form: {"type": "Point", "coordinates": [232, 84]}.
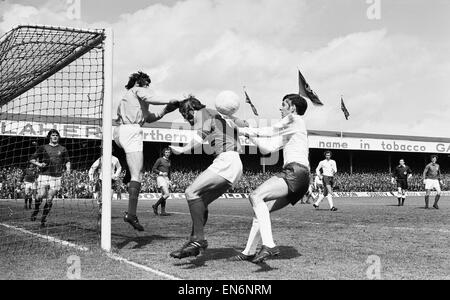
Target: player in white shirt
{"type": "Point", "coordinates": [286, 188]}
{"type": "Point", "coordinates": [95, 175]}
{"type": "Point", "coordinates": [315, 187]}
{"type": "Point", "coordinates": [329, 169]}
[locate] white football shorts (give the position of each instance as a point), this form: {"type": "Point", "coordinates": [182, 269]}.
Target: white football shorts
{"type": "Point", "coordinates": [129, 137]}
{"type": "Point", "coordinates": [229, 166]}
{"type": "Point", "coordinates": [45, 181]}
{"type": "Point", "coordinates": [431, 184]}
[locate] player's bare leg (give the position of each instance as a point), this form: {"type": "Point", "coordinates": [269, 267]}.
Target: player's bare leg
{"type": "Point", "coordinates": [135, 161]}
{"type": "Point", "coordinates": [206, 188]}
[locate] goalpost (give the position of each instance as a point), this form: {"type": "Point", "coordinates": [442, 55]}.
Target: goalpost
{"type": "Point", "coordinates": [55, 78]}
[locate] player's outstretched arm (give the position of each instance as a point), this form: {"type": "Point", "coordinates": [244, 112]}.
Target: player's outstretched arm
{"type": "Point", "coordinates": [268, 145]}
{"type": "Point", "coordinates": [170, 107]}
{"type": "Point", "coordinates": [239, 122]}
{"type": "Point", "coordinates": [148, 96]}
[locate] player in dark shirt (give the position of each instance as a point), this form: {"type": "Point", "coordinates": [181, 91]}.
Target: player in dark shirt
{"type": "Point", "coordinates": [29, 178]}
{"type": "Point", "coordinates": [162, 169]}
{"type": "Point", "coordinates": [52, 159]}
{"type": "Point", "coordinates": [401, 174]}
{"type": "Point", "coordinates": [432, 180]}
{"type": "Point", "coordinates": [222, 174]}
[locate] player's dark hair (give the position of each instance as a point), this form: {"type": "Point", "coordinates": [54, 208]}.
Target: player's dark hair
{"type": "Point", "coordinates": [52, 131]}
{"type": "Point", "coordinates": [140, 78]}
{"type": "Point", "coordinates": [300, 103]}
{"type": "Point", "coordinates": [164, 150]}
{"type": "Point", "coordinates": [188, 104]}
{"type": "Point", "coordinates": [433, 156]}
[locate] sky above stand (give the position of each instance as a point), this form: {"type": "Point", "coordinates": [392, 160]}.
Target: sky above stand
{"type": "Point", "coordinates": [391, 64]}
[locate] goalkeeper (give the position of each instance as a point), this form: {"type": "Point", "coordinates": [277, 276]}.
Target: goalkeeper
{"type": "Point", "coordinates": [132, 113]}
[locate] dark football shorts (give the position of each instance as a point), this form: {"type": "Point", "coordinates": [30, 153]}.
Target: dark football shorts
{"type": "Point", "coordinates": [98, 185]}
{"type": "Point", "coordinates": [402, 183]}
{"type": "Point", "coordinates": [328, 180]}
{"type": "Point", "coordinates": [297, 179]}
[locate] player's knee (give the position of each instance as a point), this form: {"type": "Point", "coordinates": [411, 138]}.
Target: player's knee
{"type": "Point", "coordinates": [190, 194]}
{"type": "Point", "coordinates": [255, 199]}
{"type": "Point", "coordinates": [136, 178]}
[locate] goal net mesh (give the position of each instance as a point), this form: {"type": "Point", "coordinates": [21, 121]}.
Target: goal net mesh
{"type": "Point", "coordinates": [50, 78]}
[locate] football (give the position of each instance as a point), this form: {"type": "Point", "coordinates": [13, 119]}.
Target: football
{"type": "Point", "coordinates": [227, 103]}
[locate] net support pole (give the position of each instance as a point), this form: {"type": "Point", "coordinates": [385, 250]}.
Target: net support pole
{"type": "Point", "coordinates": [107, 143]}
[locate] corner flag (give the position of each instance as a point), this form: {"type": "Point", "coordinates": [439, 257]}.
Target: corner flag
{"type": "Point", "coordinates": [344, 109]}
{"type": "Point", "coordinates": [306, 92]}
{"type": "Point", "coordinates": [247, 100]}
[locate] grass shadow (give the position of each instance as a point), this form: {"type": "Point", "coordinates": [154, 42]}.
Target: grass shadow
{"type": "Point", "coordinates": [208, 255]}
{"type": "Point", "coordinates": [141, 241]}
{"type": "Point", "coordinates": [286, 253]}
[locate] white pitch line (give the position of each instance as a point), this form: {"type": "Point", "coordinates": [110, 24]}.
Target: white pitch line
{"type": "Point", "coordinates": [142, 267]}
{"type": "Point", "coordinates": [46, 237]}
{"type": "Point", "coordinates": [85, 249]}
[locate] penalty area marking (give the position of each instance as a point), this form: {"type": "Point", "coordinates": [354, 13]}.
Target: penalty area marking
{"type": "Point", "coordinates": [142, 267]}
{"type": "Point", "coordinates": [85, 249]}
{"type": "Point", "coordinates": [46, 237]}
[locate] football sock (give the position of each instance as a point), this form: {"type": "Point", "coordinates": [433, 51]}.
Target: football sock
{"type": "Point", "coordinates": [319, 200]}
{"type": "Point", "coordinates": [253, 239]}
{"type": "Point", "coordinates": [163, 205]}
{"type": "Point", "coordinates": [37, 204]}
{"type": "Point", "coordinates": [198, 211]}
{"type": "Point", "coordinates": [436, 200]}
{"type": "Point", "coordinates": [427, 200]}
{"type": "Point", "coordinates": [265, 226]}
{"type": "Point", "coordinates": [133, 190]}
{"type": "Point", "coordinates": [159, 201]}
{"type": "Point", "coordinates": [47, 208]}
{"type": "Point", "coordinates": [403, 200]}
{"type": "Point", "coordinates": [330, 200]}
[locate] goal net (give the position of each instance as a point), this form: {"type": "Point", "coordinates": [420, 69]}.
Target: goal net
{"type": "Point", "coordinates": [50, 78]}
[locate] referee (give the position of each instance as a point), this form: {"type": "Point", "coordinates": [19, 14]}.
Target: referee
{"type": "Point", "coordinates": [401, 174]}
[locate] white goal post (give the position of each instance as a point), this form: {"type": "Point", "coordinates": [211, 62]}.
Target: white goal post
{"type": "Point", "coordinates": [107, 142]}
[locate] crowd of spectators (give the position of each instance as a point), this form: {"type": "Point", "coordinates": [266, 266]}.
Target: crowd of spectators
{"type": "Point", "coordinates": [77, 185]}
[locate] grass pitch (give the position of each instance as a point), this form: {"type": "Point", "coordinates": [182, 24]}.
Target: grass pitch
{"type": "Point", "coordinates": [410, 242]}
